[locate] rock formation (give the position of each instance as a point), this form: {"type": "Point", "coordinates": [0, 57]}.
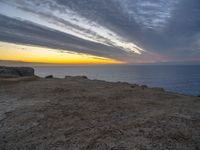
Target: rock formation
{"type": "Point", "coordinates": [15, 72]}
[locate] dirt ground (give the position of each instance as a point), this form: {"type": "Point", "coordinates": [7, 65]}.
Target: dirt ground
{"type": "Point", "coordinates": [83, 114]}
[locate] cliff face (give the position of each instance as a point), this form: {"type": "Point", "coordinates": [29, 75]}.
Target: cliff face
{"type": "Point", "coordinates": [14, 72]}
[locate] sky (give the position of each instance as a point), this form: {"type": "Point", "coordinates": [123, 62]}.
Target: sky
{"type": "Point", "coordinates": [100, 31]}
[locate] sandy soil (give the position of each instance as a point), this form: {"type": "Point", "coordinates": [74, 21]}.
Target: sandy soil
{"type": "Point", "coordinates": [81, 114]}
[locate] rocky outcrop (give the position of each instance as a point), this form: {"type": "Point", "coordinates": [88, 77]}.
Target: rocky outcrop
{"type": "Point", "coordinates": [49, 77]}
{"type": "Point", "coordinates": [76, 77]}
{"type": "Point", "coordinates": [15, 72]}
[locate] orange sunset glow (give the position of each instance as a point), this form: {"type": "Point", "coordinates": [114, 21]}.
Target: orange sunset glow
{"type": "Point", "coordinates": [15, 52]}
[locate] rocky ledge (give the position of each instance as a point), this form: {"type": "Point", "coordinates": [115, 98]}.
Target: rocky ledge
{"type": "Point", "coordinates": [15, 72]}
{"type": "Point", "coordinates": [77, 113]}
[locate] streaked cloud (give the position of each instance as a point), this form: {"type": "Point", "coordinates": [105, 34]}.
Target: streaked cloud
{"type": "Point", "coordinates": [149, 14]}
{"type": "Point", "coordinates": [68, 21]}
{"type": "Point", "coordinates": [127, 30]}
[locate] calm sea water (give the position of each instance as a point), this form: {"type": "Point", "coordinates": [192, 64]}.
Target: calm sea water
{"type": "Point", "coordinates": [182, 79]}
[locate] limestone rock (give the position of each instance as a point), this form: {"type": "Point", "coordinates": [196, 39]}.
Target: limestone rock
{"type": "Point", "coordinates": [14, 72]}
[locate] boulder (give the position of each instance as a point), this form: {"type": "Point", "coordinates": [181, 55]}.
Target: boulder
{"type": "Point", "coordinates": [159, 89]}
{"type": "Point", "coordinates": [15, 72]}
{"type": "Point", "coordinates": [134, 85]}
{"type": "Point", "coordinates": [76, 77]}
{"type": "Point", "coordinates": [49, 77]}
{"type": "Point", "coordinates": [81, 77]}
{"type": "Point", "coordinates": [68, 77]}
{"type": "Point", "coordinates": [144, 86]}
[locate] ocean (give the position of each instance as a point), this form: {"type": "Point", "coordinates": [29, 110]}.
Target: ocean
{"type": "Point", "coordinates": [183, 79]}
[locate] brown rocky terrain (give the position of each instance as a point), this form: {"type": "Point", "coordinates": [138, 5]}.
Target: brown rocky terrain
{"type": "Point", "coordinates": [77, 113]}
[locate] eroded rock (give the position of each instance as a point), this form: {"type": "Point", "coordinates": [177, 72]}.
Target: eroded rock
{"type": "Point", "coordinates": [15, 72]}
{"type": "Point", "coordinates": [49, 77]}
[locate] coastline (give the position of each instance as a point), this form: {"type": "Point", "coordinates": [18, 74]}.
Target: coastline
{"type": "Point", "coordinates": [79, 113]}
{"type": "Point", "coordinates": [180, 79]}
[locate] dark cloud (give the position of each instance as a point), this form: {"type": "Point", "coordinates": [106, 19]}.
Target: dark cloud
{"type": "Point", "coordinates": [23, 32]}
{"type": "Point", "coordinates": [179, 37]}
{"type": "Point", "coordinates": [166, 29]}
